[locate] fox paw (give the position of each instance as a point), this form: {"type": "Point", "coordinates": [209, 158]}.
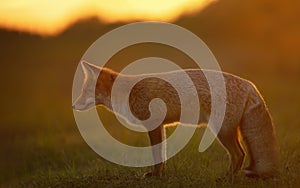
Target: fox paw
{"type": "Point", "coordinates": [151, 174]}
{"type": "Point", "coordinates": [147, 175]}
{"type": "Point", "coordinates": [250, 173]}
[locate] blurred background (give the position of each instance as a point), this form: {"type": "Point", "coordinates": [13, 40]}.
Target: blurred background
{"type": "Point", "coordinates": [43, 41]}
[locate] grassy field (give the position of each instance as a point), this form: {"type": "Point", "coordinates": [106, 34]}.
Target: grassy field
{"type": "Point", "coordinates": [57, 156]}
{"type": "Point", "coordinates": [42, 147]}
{"type": "Point", "coordinates": [45, 149]}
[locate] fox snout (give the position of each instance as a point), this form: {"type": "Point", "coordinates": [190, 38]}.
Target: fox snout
{"type": "Point", "coordinates": [81, 104]}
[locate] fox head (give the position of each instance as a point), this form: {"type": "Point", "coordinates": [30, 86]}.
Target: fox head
{"type": "Point", "coordinates": [96, 87]}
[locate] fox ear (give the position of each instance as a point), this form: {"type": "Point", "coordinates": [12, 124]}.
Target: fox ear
{"type": "Point", "coordinates": [90, 69]}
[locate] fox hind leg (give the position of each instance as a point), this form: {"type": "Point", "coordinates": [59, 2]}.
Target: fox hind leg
{"type": "Point", "coordinates": [230, 140]}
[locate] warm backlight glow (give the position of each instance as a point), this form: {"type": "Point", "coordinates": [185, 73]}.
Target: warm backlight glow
{"type": "Point", "coordinates": [53, 16]}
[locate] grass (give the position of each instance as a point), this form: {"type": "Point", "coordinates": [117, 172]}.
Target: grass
{"type": "Point", "coordinates": [55, 155]}
{"type": "Point", "coordinates": [187, 169]}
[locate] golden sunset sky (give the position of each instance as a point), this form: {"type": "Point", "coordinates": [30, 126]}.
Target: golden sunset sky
{"type": "Point", "coordinates": [53, 16]}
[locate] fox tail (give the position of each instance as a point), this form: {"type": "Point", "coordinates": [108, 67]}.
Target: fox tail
{"type": "Point", "coordinates": [258, 133]}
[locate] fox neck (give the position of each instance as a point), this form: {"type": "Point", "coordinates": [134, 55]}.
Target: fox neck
{"type": "Point", "coordinates": [106, 94]}
{"type": "Point", "coordinates": [104, 86]}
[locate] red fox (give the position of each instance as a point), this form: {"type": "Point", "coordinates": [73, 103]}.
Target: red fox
{"type": "Point", "coordinates": [246, 113]}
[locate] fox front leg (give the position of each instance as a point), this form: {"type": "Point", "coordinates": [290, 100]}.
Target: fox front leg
{"type": "Point", "coordinates": [156, 137]}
